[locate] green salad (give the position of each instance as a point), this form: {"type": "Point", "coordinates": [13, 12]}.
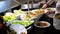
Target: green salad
{"type": "Point", "coordinates": [9, 17]}
{"type": "Point", "coordinates": [24, 23]}
{"type": "Point", "coordinates": [18, 11]}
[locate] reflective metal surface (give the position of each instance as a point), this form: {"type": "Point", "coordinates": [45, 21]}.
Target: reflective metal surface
{"type": "Point", "coordinates": [5, 5]}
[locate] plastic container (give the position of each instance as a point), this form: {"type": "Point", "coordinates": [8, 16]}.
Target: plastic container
{"type": "Point", "coordinates": [56, 23]}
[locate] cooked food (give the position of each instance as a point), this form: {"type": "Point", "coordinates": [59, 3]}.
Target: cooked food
{"type": "Point", "coordinates": [32, 13]}
{"type": "Point", "coordinates": [57, 16]}
{"type": "Point", "coordinates": [35, 13]}
{"type": "Point", "coordinates": [41, 24]}
{"type": "Point", "coordinates": [24, 23]}
{"type": "Point", "coordinates": [25, 17]}
{"type": "Point", "coordinates": [41, 11]}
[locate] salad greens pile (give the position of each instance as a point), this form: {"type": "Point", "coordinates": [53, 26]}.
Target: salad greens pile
{"type": "Point", "coordinates": [9, 17]}
{"type": "Point", "coordinates": [24, 23]}
{"type": "Point", "coordinates": [18, 11]}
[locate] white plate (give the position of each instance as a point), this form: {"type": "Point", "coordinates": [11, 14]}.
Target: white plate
{"type": "Point", "coordinates": [18, 28]}
{"type": "Point", "coordinates": [48, 24]}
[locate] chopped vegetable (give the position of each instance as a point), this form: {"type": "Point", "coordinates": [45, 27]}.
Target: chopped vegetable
{"type": "Point", "coordinates": [9, 17]}
{"type": "Point", "coordinates": [18, 11]}
{"type": "Point", "coordinates": [24, 23]}
{"type": "Point", "coordinates": [25, 17]}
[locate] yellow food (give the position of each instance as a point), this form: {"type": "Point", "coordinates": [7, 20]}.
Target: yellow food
{"type": "Point", "coordinates": [9, 16]}
{"type": "Point", "coordinates": [41, 11]}
{"type": "Point", "coordinates": [32, 14]}
{"type": "Point", "coordinates": [25, 17]}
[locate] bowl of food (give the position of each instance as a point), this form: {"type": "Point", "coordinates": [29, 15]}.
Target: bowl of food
{"type": "Point", "coordinates": [42, 24]}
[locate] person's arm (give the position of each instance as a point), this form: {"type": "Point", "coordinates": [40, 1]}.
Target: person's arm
{"type": "Point", "coordinates": [48, 3]}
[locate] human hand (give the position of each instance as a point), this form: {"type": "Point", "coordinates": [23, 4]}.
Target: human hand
{"type": "Point", "coordinates": [44, 6]}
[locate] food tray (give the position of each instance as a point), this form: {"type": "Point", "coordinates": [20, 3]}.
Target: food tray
{"type": "Point", "coordinates": [17, 8]}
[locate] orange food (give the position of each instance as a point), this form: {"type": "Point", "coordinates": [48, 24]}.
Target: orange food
{"type": "Point", "coordinates": [31, 13]}
{"type": "Point", "coordinates": [41, 11]}
{"type": "Point", "coordinates": [41, 24]}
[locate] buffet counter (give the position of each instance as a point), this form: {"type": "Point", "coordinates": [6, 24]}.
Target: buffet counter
{"type": "Point", "coordinates": [27, 19]}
